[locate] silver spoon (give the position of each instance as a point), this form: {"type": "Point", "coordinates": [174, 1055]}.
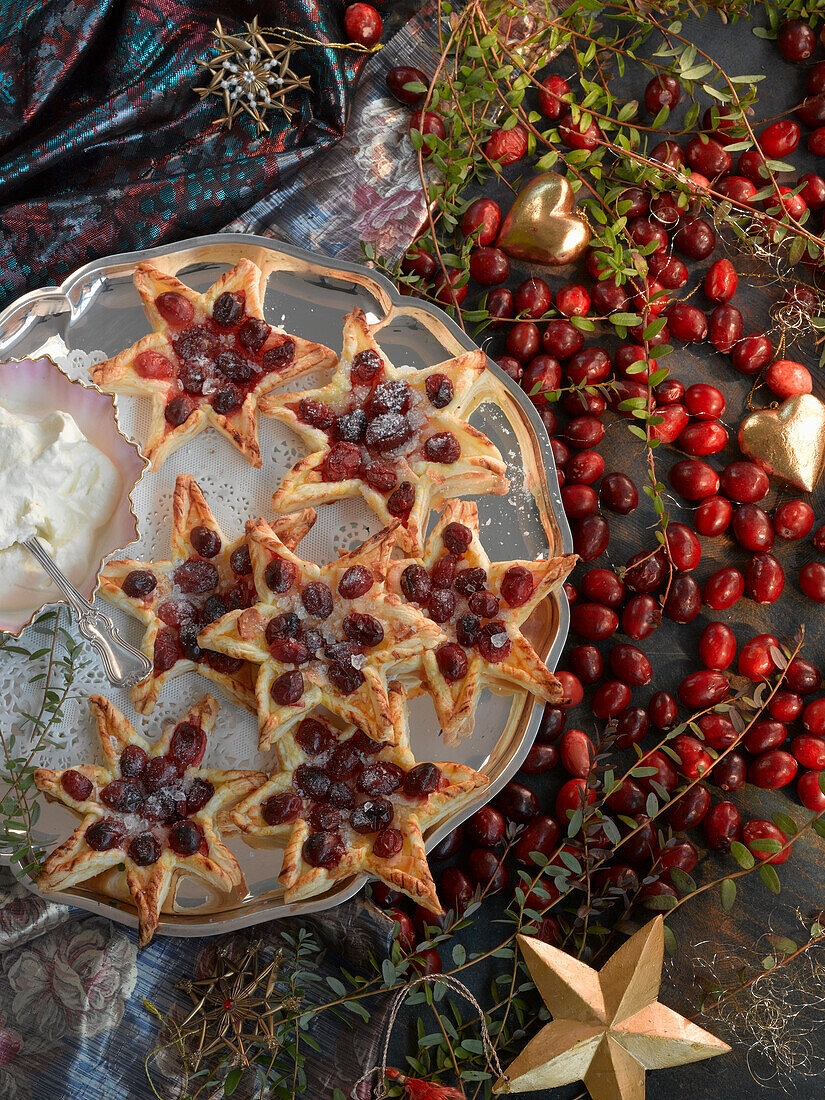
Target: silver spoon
{"type": "Point", "coordinates": [123, 664]}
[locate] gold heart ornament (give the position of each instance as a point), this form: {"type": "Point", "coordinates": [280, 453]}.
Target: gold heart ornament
{"type": "Point", "coordinates": [541, 226]}
{"type": "Point", "coordinates": [789, 441]}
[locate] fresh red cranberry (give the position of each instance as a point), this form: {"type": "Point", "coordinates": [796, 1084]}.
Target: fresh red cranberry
{"type": "Point", "coordinates": [486, 828]}
{"type": "Point", "coordinates": [718, 730]}
{"type": "Point", "coordinates": [787, 378]}
{"type": "Point", "coordinates": [720, 286]}
{"type": "Point", "coordinates": [571, 687]}
{"type": "Point", "coordinates": [810, 788]}
{"type": "Point", "coordinates": [551, 90]}
{"type": "Point", "coordinates": [764, 578]}
{"type": "Point", "coordinates": [785, 706]}
{"type": "Point", "coordinates": [646, 571]}
{"type": "Point", "coordinates": [587, 663]}
{"type": "Point", "coordinates": [618, 494]}
{"type": "Point", "coordinates": [576, 753]}
{"type": "Point", "coordinates": [541, 758]}
{"type": "Point", "coordinates": [427, 123]}
{"type": "Point", "coordinates": [694, 480]}
{"type": "Point", "coordinates": [541, 376]}
{"type": "Point", "coordinates": [588, 367]}
{"type": "Point", "coordinates": [762, 838]}
{"type": "Point", "coordinates": [773, 769]}
{"type": "Point", "coordinates": [744, 482]}
{"type": "Point", "coordinates": [500, 306]}
{"type": "Point", "coordinates": [517, 802]}
{"type": "Point", "coordinates": [584, 432]}
{"type": "Point", "coordinates": [813, 190]}
{"type": "Point", "coordinates": [590, 537]}
{"type": "Point", "coordinates": [579, 501]}
{"type": "Point", "coordinates": [506, 146]}
{"type": "Point", "coordinates": [455, 889]}
{"type": "Point", "coordinates": [699, 690]}
{"type": "Point", "coordinates": [641, 616]}
{"type": "Point", "coordinates": [573, 300]}
{"type": "Point", "coordinates": [484, 218]}
{"type": "Point", "coordinates": [779, 138]}
{"type": "Point", "coordinates": [593, 621]}
{"type": "Point", "coordinates": [751, 165]}
{"type": "Point", "coordinates": [812, 581]}
{"type": "Point", "coordinates": [561, 339]}
{"type": "Point", "coordinates": [645, 232]}
{"type": "Point", "coordinates": [669, 153]}
{"type": "Point", "coordinates": [687, 323]}
{"type": "Point", "coordinates": [695, 238]}
{"type": "Point", "coordinates": [752, 528]}
{"type": "Point", "coordinates": [628, 798]}
{"type": "Point", "coordinates": [575, 136]}
{"type": "Point", "coordinates": [687, 810]}
{"type": "Point", "coordinates": [813, 717]}
{"type": "Point", "coordinates": [752, 354]}
{"type": "Point", "coordinates": [722, 825]}
{"type": "Point", "coordinates": [717, 646]}
{"type": "Point", "coordinates": [663, 710]}
{"type": "Point", "coordinates": [738, 188]}
{"type": "Point", "coordinates": [632, 725]}
{"type": "Point", "coordinates": [801, 676]}
{"type": "Point", "coordinates": [533, 298]}
{"type": "Point", "coordinates": [552, 724]}
{"type": "Point", "coordinates": [486, 869]}
{"type": "Point", "coordinates": [664, 773]}
{"type": "Point", "coordinates": [796, 40]}
{"type": "Point", "coordinates": [679, 854]}
{"type": "Point", "coordinates": [809, 751]}
{"type": "Point", "coordinates": [641, 845]}
{"type": "Point", "coordinates": [764, 735]}
{"type": "Point", "coordinates": [811, 111]}
{"type": "Point", "coordinates": [793, 519]}
{"type": "Point", "coordinates": [708, 156]}
{"type": "Point", "coordinates": [571, 797]}
{"type": "Point", "coordinates": [604, 587]}
{"type": "Point", "coordinates": [610, 698]}
{"type": "Point", "coordinates": [489, 266]}
{"type": "Point", "coordinates": [684, 599]}
{"type": "Point", "coordinates": [730, 773]}
{"type": "Point", "coordinates": [708, 437]}
{"type": "Point", "coordinates": [674, 419]}
{"type": "Point", "coordinates": [662, 91]}
{"type": "Point", "coordinates": [723, 588]}
{"type": "Point", "coordinates": [668, 270]}
{"type": "Point", "coordinates": [725, 327]}
{"type": "Point", "coordinates": [713, 516]}
{"type": "Point", "coordinates": [448, 847]}
{"type": "Point", "coordinates": [523, 341]}
{"type": "Point", "coordinates": [397, 80]}
{"type": "Point", "coordinates": [630, 665]}
{"type": "Point", "coordinates": [684, 548]}
{"type": "Point", "coordinates": [541, 835]}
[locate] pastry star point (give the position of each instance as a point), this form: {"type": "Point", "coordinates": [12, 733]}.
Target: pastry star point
{"type": "Point", "coordinates": [609, 1028]}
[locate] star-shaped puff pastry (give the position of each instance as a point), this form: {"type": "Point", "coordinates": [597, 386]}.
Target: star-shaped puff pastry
{"type": "Point", "coordinates": [322, 635]}
{"type": "Point", "coordinates": [399, 436]}
{"type": "Point", "coordinates": [208, 360]}
{"type": "Point", "coordinates": [481, 607]}
{"type": "Point", "coordinates": [149, 815]}
{"type": "Point", "coordinates": [345, 805]}
{"type": "Point", "coordinates": [204, 577]}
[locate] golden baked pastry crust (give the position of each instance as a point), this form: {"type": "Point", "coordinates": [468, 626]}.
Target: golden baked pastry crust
{"type": "Point", "coordinates": [121, 374]}
{"type": "Point", "coordinates": [405, 634]}
{"type": "Point", "coordinates": [190, 510]}
{"type": "Point", "coordinates": [478, 469]}
{"type": "Point", "coordinates": [456, 702]}
{"type": "Point", "coordinates": [113, 872]}
{"type": "Point", "coordinates": [407, 870]}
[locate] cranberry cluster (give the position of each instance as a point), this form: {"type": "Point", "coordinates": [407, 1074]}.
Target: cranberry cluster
{"type": "Point", "coordinates": [297, 635]}
{"type": "Point", "coordinates": [151, 802]}
{"type": "Point", "coordinates": [199, 597]}
{"type": "Point", "coordinates": [378, 431]}
{"type": "Point", "coordinates": [546, 352]}
{"type": "Point", "coordinates": [218, 360]}
{"type": "Point", "coordinates": [343, 788]}
{"type": "Point", "coordinates": [455, 596]}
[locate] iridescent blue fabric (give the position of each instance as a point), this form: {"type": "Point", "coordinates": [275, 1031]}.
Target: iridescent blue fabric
{"type": "Point", "coordinates": [106, 148]}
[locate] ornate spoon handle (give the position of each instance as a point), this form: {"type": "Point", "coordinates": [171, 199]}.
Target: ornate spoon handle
{"type": "Point", "coordinates": [123, 664]}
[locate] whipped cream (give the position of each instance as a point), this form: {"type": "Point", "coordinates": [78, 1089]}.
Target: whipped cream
{"type": "Point", "coordinates": [58, 486]}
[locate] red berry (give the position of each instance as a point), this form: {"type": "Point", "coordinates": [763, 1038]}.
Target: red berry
{"type": "Point", "coordinates": [489, 266]}
{"type": "Point", "coordinates": [796, 40]}
{"type": "Point", "coordinates": [764, 578]}
{"type": "Point", "coordinates": [787, 378]}
{"type": "Point", "coordinates": [662, 91]}
{"type": "Point", "coordinates": [550, 105]}
{"type": "Point", "coordinates": [427, 123]}
{"type": "Point", "coordinates": [811, 791]}
{"type": "Point", "coordinates": [722, 825]}
{"type": "Point", "coordinates": [793, 519]}
{"type": "Point", "coordinates": [694, 480]}
{"type": "Point", "coordinates": [699, 690]}
{"type": "Point", "coordinates": [772, 770]}
{"type": "Point", "coordinates": [754, 835]}
{"type": "Point", "coordinates": [721, 281]}
{"type": "Point", "coordinates": [812, 581]}
{"type": "Point", "coordinates": [779, 138]}
{"type": "Point", "coordinates": [401, 75]}
{"type": "Point", "coordinates": [717, 646]}
{"type": "Point", "coordinates": [744, 482]}
{"type": "Point", "coordinates": [363, 24]}
{"type": "Point", "coordinates": [506, 146]}
{"type": "Point", "coordinates": [713, 516]}
{"type": "Point", "coordinates": [484, 216]}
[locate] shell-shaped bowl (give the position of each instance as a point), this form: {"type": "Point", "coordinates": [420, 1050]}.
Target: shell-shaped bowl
{"type": "Point", "coordinates": [38, 387]}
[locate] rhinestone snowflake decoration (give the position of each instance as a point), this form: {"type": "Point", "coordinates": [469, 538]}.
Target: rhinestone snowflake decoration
{"type": "Point", "coordinates": [252, 74]}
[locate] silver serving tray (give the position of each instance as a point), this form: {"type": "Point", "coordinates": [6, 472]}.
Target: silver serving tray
{"type": "Point", "coordinates": [98, 308]}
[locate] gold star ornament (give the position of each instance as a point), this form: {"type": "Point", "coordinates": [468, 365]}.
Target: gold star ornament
{"type": "Point", "coordinates": [609, 1028]}
{"type": "Point", "coordinates": [252, 74]}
